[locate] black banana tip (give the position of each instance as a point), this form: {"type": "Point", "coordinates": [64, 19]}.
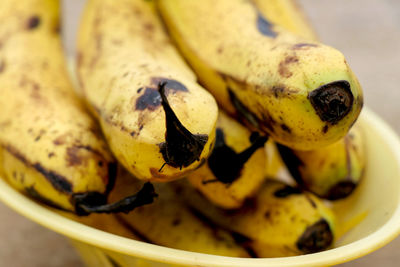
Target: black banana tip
{"type": "Point", "coordinates": [332, 101]}
{"type": "Point", "coordinates": [181, 148]}
{"type": "Point", "coordinates": [316, 237]}
{"type": "Point", "coordinates": [341, 190]}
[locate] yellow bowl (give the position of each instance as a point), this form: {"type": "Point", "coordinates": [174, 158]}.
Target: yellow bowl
{"type": "Point", "coordinates": [378, 196]}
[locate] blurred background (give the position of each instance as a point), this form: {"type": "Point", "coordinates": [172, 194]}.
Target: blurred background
{"type": "Point", "coordinates": [367, 32]}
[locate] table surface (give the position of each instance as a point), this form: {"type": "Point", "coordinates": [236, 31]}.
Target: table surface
{"type": "Point", "coordinates": [370, 39]}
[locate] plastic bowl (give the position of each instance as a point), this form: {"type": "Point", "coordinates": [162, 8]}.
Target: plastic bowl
{"type": "Point", "coordinates": [377, 197]}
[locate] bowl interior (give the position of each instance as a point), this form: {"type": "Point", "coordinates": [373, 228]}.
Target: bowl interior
{"type": "Point", "coordinates": [375, 206]}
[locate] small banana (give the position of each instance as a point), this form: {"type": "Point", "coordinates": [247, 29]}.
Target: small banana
{"type": "Point", "coordinates": [49, 145]}
{"type": "Point", "coordinates": [330, 172]}
{"type": "Point", "coordinates": [159, 123]}
{"type": "Point", "coordinates": [288, 15]}
{"type": "Point", "coordinates": [280, 221]}
{"type": "Point", "coordinates": [235, 169]}
{"type": "Point", "coordinates": [170, 223]}
{"type": "Point", "coordinates": [300, 92]}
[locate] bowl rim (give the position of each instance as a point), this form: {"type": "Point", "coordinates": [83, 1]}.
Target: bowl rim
{"type": "Point", "coordinates": [48, 218]}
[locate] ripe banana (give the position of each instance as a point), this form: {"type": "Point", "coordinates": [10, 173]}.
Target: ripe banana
{"type": "Point", "coordinates": [301, 92]}
{"type": "Point", "coordinates": [159, 123]}
{"type": "Point", "coordinates": [170, 223]}
{"type": "Point", "coordinates": [333, 171]}
{"type": "Point", "coordinates": [330, 172]}
{"type": "Point", "coordinates": [50, 147]}
{"type": "Point", "coordinates": [288, 15]}
{"type": "Point", "coordinates": [280, 221]}
{"type": "Point", "coordinates": [235, 169]}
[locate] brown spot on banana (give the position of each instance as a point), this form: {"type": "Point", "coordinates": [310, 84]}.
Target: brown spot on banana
{"type": "Point", "coordinates": [303, 46]}
{"type": "Point", "coordinates": [265, 27]}
{"type": "Point", "coordinates": [332, 101]}
{"type": "Point", "coordinates": [2, 65]}
{"type": "Point", "coordinates": [283, 68]}
{"type": "Point", "coordinates": [151, 98]}
{"type": "Point", "coordinates": [73, 157]}
{"type": "Point", "coordinates": [286, 128]}
{"type": "Point", "coordinates": [170, 84]}
{"type": "Point", "coordinates": [60, 140]}
{"type": "Point", "coordinates": [33, 22]}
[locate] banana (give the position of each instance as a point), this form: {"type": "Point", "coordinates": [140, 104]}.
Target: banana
{"type": "Point", "coordinates": [235, 169]}
{"type": "Point", "coordinates": [302, 93]}
{"type": "Point", "coordinates": [333, 171]}
{"type": "Point", "coordinates": [159, 123]}
{"type": "Point", "coordinates": [330, 172]}
{"type": "Point", "coordinates": [170, 223]}
{"type": "Point", "coordinates": [50, 147]}
{"type": "Point", "coordinates": [280, 221]}
{"type": "Point", "coordinates": [288, 15]}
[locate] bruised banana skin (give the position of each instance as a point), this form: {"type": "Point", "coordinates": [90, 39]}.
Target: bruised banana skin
{"type": "Point", "coordinates": [50, 147]}
{"type": "Point", "coordinates": [288, 15]}
{"type": "Point", "coordinates": [302, 93]}
{"type": "Point", "coordinates": [125, 59]}
{"type": "Point", "coordinates": [279, 221]}
{"type": "Point", "coordinates": [235, 169]}
{"type": "Point", "coordinates": [331, 172]}
{"type": "Point", "coordinates": [168, 222]}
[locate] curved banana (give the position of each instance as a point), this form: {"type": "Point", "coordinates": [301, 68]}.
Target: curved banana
{"type": "Point", "coordinates": [235, 169]}
{"type": "Point", "coordinates": [170, 223]}
{"type": "Point", "coordinates": [302, 93]}
{"type": "Point", "coordinates": [50, 147]}
{"type": "Point", "coordinates": [330, 172]}
{"type": "Point", "coordinates": [333, 171]}
{"type": "Point", "coordinates": [159, 123]}
{"type": "Point", "coordinates": [280, 221]}
{"type": "Point", "coordinates": [288, 15]}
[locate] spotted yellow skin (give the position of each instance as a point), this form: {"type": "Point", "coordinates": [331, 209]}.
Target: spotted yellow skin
{"type": "Point", "coordinates": [273, 225]}
{"type": "Point", "coordinates": [169, 222]}
{"type": "Point", "coordinates": [231, 196]}
{"type": "Point", "coordinates": [123, 50]}
{"type": "Point", "coordinates": [288, 15]}
{"type": "Point", "coordinates": [271, 76]}
{"type": "Point", "coordinates": [325, 167]}
{"type": "Point", "coordinates": [321, 170]}
{"type": "Point", "coordinates": [50, 146]}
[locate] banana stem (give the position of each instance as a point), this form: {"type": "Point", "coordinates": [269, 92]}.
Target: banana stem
{"type": "Point", "coordinates": [143, 197]}
{"type": "Point", "coordinates": [181, 147]}
{"type": "Point", "coordinates": [225, 163]}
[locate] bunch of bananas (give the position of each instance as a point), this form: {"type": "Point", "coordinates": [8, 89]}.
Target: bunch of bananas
{"type": "Point", "coordinates": [266, 79]}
